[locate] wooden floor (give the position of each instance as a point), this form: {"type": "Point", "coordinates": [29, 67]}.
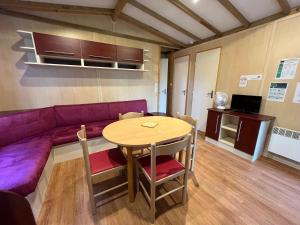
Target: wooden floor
{"type": "Point", "coordinates": [231, 191]}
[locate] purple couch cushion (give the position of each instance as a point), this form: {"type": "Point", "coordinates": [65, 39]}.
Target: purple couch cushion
{"type": "Point", "coordinates": [67, 115]}
{"type": "Point", "coordinates": [126, 106]}
{"type": "Point", "coordinates": [67, 134]}
{"type": "Point", "coordinates": [18, 126]}
{"type": "Point", "coordinates": [22, 163]}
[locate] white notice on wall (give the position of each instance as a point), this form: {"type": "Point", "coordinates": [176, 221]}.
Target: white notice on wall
{"type": "Point", "coordinates": [277, 92]}
{"type": "Point", "coordinates": [243, 81]}
{"type": "Point", "coordinates": [287, 68]}
{"type": "Point", "coordinates": [297, 94]}
{"type": "Point", "coordinates": [254, 77]}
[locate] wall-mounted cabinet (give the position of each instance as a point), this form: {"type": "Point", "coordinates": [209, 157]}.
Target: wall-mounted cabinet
{"type": "Point", "coordinates": [51, 50]}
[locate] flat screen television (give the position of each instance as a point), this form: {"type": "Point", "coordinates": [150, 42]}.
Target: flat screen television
{"type": "Point", "coordinates": [246, 103]}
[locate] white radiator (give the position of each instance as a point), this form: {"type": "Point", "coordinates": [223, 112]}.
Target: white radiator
{"type": "Point", "coordinates": [285, 142]}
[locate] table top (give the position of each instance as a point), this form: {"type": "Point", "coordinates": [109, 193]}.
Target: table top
{"type": "Point", "coordinates": [131, 133]}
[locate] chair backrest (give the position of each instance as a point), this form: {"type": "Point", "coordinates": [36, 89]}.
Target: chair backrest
{"type": "Point", "coordinates": [192, 122]}
{"type": "Point", "coordinates": [170, 149]}
{"type": "Point", "coordinates": [81, 134]}
{"type": "Point", "coordinates": [131, 115]}
{"type": "Point", "coordinates": [15, 209]}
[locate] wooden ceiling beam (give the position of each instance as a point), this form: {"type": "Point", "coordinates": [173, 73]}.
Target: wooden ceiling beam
{"type": "Point", "coordinates": [82, 27]}
{"type": "Point", "coordinates": [195, 16]}
{"type": "Point", "coordinates": [284, 6]}
{"type": "Point", "coordinates": [163, 19]}
{"type": "Point", "coordinates": [150, 29]}
{"type": "Point", "coordinates": [118, 9]}
{"type": "Point", "coordinates": [235, 12]}
{"type": "Point", "coordinates": [50, 7]}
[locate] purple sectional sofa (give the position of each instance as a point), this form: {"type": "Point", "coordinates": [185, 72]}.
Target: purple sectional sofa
{"type": "Point", "coordinates": [26, 138]}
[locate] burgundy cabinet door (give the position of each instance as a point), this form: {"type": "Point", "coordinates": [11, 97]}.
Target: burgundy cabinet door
{"type": "Point", "coordinates": [130, 55]}
{"type": "Point", "coordinates": [57, 46]}
{"type": "Point", "coordinates": [247, 135]}
{"type": "Point", "coordinates": [98, 51]}
{"type": "Point", "coordinates": [213, 124]}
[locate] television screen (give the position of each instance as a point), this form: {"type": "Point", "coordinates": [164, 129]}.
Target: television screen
{"type": "Point", "coordinates": [246, 103]}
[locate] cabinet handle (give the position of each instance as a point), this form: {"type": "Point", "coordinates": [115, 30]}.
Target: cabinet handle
{"type": "Point", "coordinates": [216, 130]}
{"type": "Point", "coordinates": [238, 137]}
{"type": "Point", "coordinates": [61, 53]}
{"type": "Point", "coordinates": [100, 56]}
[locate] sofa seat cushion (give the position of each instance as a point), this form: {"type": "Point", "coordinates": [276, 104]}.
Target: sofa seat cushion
{"type": "Point", "coordinates": [67, 134]}
{"type": "Point", "coordinates": [22, 163]}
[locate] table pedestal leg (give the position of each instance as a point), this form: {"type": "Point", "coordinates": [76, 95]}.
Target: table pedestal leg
{"type": "Point", "coordinates": [130, 175]}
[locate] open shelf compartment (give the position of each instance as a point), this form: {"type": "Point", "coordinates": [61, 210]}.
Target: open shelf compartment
{"type": "Point", "coordinates": [230, 122]}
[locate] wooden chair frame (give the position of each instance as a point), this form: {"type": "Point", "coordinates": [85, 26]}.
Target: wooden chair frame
{"type": "Point", "coordinates": [130, 115]}
{"type": "Point", "coordinates": [92, 178]}
{"type": "Point", "coordinates": [193, 123]}
{"type": "Point", "coordinates": [167, 149]}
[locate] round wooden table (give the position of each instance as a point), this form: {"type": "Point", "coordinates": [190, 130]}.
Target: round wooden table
{"type": "Point", "coordinates": [132, 134]}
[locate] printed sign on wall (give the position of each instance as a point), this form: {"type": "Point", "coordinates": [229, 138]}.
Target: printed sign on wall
{"type": "Point", "coordinates": [287, 68]}
{"type": "Point", "coordinates": [297, 94]}
{"type": "Point", "coordinates": [277, 92]}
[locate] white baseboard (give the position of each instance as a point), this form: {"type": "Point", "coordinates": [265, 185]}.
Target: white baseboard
{"type": "Point", "coordinates": [60, 154]}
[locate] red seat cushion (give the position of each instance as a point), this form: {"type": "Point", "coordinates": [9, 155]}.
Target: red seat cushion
{"type": "Point", "coordinates": [165, 166]}
{"type": "Point", "coordinates": [107, 159]}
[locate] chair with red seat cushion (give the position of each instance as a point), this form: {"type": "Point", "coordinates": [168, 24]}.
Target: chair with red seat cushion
{"type": "Point", "coordinates": [100, 164]}
{"type": "Point", "coordinates": [161, 167]}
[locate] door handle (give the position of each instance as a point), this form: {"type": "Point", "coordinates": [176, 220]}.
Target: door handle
{"type": "Point", "coordinates": [164, 91]}
{"type": "Point", "coordinates": [60, 53]}
{"type": "Point", "coordinates": [183, 91]}
{"type": "Point", "coordinates": [238, 137]}
{"type": "Point", "coordinates": [211, 94]}
{"type": "Point", "coordinates": [100, 56]}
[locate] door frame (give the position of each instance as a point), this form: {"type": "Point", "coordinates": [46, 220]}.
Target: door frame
{"type": "Point", "coordinates": [171, 84]}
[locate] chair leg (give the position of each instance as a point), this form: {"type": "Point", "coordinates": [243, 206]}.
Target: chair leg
{"type": "Point", "coordinates": [184, 191]}
{"type": "Point", "coordinates": [93, 204]}
{"type": "Point", "coordinates": [193, 160]}
{"type": "Point", "coordinates": [152, 203]}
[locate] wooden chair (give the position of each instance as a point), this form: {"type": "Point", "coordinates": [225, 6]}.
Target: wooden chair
{"type": "Point", "coordinates": [160, 167]}
{"type": "Point", "coordinates": [100, 164]}
{"type": "Point", "coordinates": [193, 123]}
{"type": "Point", "coordinates": [15, 209]}
{"type": "Point", "coordinates": [131, 115]}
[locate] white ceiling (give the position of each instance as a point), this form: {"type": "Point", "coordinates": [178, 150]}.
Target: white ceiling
{"type": "Point", "coordinates": [210, 10]}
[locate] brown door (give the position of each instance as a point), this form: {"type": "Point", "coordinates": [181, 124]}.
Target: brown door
{"type": "Point", "coordinates": [213, 124]}
{"type": "Point", "coordinates": [98, 51]}
{"type": "Point", "coordinates": [130, 55]}
{"type": "Point", "coordinates": [57, 46]}
{"type": "Point", "coordinates": [247, 134]}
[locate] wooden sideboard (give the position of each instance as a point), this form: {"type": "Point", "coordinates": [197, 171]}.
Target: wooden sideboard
{"type": "Point", "coordinates": [241, 133]}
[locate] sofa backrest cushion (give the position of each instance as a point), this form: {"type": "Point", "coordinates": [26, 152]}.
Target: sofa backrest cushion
{"type": "Point", "coordinates": [80, 114]}
{"type": "Point", "coordinates": [21, 125]}
{"type": "Point", "coordinates": [126, 106]}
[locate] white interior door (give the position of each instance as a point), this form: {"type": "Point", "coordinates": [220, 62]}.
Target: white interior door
{"type": "Point", "coordinates": [206, 71]}
{"type": "Point", "coordinates": [181, 70]}
{"type": "Point", "coordinates": [163, 84]}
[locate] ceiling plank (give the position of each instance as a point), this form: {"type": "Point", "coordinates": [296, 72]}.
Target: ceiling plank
{"type": "Point", "coordinates": [82, 27]}
{"type": "Point", "coordinates": [162, 19]}
{"type": "Point", "coordinates": [118, 9]}
{"type": "Point", "coordinates": [256, 23]}
{"type": "Point", "coordinates": [150, 29]}
{"type": "Point", "coordinates": [198, 18]}
{"type": "Point", "coordinates": [50, 7]}
{"type": "Point", "coordinates": [235, 12]}
{"type": "Point", "coordinates": [284, 6]}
